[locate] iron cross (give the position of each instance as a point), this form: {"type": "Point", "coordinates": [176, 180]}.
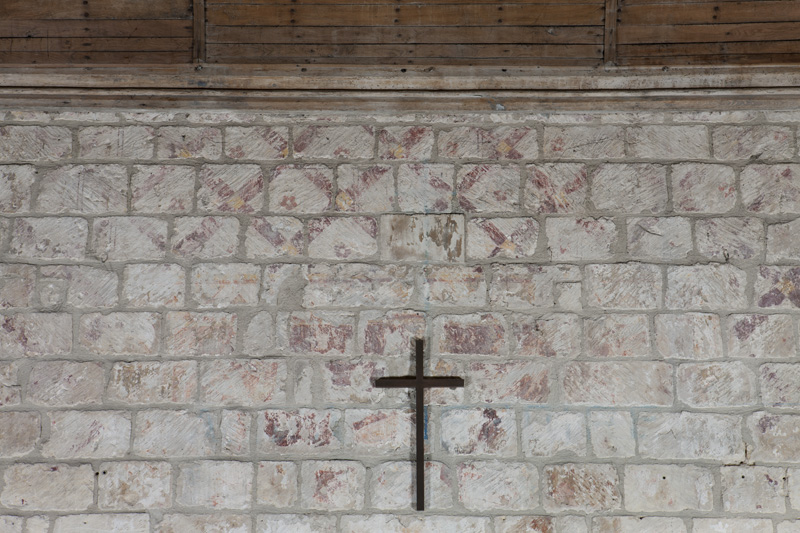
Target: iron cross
{"type": "Point", "coordinates": [419, 383]}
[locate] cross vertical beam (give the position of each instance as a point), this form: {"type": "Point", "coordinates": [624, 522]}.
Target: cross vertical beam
{"type": "Point", "coordinates": [419, 382]}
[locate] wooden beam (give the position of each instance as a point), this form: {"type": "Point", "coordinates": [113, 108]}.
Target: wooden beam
{"type": "Point", "coordinates": [610, 40]}
{"type": "Point", "coordinates": [406, 101]}
{"type": "Point", "coordinates": [199, 36]}
{"type": "Point", "coordinates": [399, 78]}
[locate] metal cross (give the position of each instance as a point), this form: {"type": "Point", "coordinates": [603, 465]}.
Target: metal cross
{"type": "Point", "coordinates": [419, 383]}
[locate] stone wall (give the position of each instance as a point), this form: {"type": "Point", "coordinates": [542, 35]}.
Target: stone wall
{"type": "Point", "coordinates": [195, 306]}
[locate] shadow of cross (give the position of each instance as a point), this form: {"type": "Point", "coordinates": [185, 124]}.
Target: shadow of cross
{"type": "Point", "coordinates": [419, 383]}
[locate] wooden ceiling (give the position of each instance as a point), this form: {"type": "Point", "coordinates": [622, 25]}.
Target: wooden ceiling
{"type": "Point", "coordinates": [552, 33]}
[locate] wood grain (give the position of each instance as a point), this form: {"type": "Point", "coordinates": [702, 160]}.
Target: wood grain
{"type": "Point", "coordinates": [93, 9]}
{"type": "Point", "coordinates": [406, 15]}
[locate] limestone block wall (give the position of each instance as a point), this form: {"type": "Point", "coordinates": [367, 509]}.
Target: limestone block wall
{"type": "Point", "coordinates": [194, 306]}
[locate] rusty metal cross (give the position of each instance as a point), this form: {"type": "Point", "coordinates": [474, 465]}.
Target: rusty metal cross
{"type": "Point", "coordinates": [419, 383]}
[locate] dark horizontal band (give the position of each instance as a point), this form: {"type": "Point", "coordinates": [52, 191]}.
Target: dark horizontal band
{"type": "Point", "coordinates": [411, 382]}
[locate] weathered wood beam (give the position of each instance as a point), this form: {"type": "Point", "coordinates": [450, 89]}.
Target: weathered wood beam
{"type": "Point", "coordinates": [199, 35]}
{"type": "Point", "coordinates": [610, 38]}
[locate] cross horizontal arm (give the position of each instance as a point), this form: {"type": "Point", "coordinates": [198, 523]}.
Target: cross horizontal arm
{"type": "Point", "coordinates": [411, 382]}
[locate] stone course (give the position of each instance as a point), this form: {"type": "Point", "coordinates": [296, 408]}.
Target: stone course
{"type": "Point", "coordinates": [194, 307]}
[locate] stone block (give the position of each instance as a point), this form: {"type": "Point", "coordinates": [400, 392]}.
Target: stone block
{"type": "Point", "coordinates": [88, 434]}
{"type": "Point", "coordinates": [481, 432]}
{"type": "Point", "coordinates": [697, 436]}
{"type": "Point", "coordinates": [216, 285]}
{"type": "Point", "coordinates": [668, 142]}
{"type": "Point", "coordinates": [580, 239]}
{"type": "Point", "coordinates": [152, 382]}
{"type": "Point", "coordinates": [268, 237]}
{"type": "Point", "coordinates": [57, 239]}
{"type": "Point", "coordinates": [179, 142]}
{"type": "Point", "coordinates": [189, 334]}
{"type": "Point", "coordinates": [476, 334]}
{"type": "Point", "coordinates": [21, 433]}
{"type": "Point", "coordinates": [556, 335]}
{"type": "Point", "coordinates": [689, 336]}
{"type": "Point", "coordinates": [301, 189]}
{"type": "Point", "coordinates": [391, 486]}
{"type": "Point", "coordinates": [612, 434]}
{"type": "Point", "coordinates": [768, 142]}
{"type": "Point", "coordinates": [668, 488]}
{"type": "Point", "coordinates": [488, 188]}
{"type": "Point", "coordinates": [414, 143]}
{"type": "Point", "coordinates": [46, 487]}
{"type": "Point", "coordinates": [584, 142]}
{"type": "Point", "coordinates": [276, 483]}
{"type": "Point", "coordinates": [35, 334]}
{"type": "Point", "coordinates": [617, 336]}
{"type": "Point", "coordinates": [780, 385]}
{"type": "Point", "coordinates": [381, 432]}
{"type": "Point", "coordinates": [219, 522]}
{"type": "Point", "coordinates": [368, 189]}
{"type": "Point", "coordinates": [703, 188]}
{"type": "Point", "coordinates": [15, 188]}
{"type": "Point", "coordinates": [161, 433]}
{"type": "Point", "coordinates": [215, 484]}
{"type": "Point", "coordinates": [257, 143]}
{"type": "Point", "coordinates": [114, 142]}
{"type": "Point", "coordinates": [706, 287]}
{"type": "Point", "coordinates": [422, 237]}
{"type": "Point", "coordinates": [318, 333]}
{"type": "Point", "coordinates": [301, 430]}
{"type": "Point", "coordinates": [509, 238]}
{"type": "Point", "coordinates": [556, 188]}
{"type": "Point", "coordinates": [716, 385]}
{"type": "Point", "coordinates": [205, 237]}
{"type": "Point", "coordinates": [83, 286]}
{"type": "Point", "coordinates": [507, 142]}
{"type": "Point", "coordinates": [618, 384]}
{"type": "Point", "coordinates": [492, 485]}
{"type": "Point", "coordinates": [230, 189]}
{"type": "Point", "coordinates": [520, 382]}
{"type": "Point", "coordinates": [630, 188]}
{"type": "Point", "coordinates": [753, 489]}
{"type": "Point", "coordinates": [723, 239]}
{"type": "Point", "coordinates": [162, 189]}
{"type": "Point", "coordinates": [767, 336]}
{"type": "Point", "coordinates": [120, 333]}
{"type": "Point", "coordinates": [132, 485]}
{"type": "Point", "coordinates": [389, 334]}
{"type": "Point", "coordinates": [659, 238]}
{"type": "Point", "coordinates": [332, 485]}
{"type": "Point", "coordinates": [624, 286]}
{"type": "Point", "coordinates": [64, 383]}
{"type": "Point", "coordinates": [35, 143]}
{"type": "Point", "coordinates": [129, 238]}
{"type": "Point", "coordinates": [154, 285]}
{"type": "Point", "coordinates": [553, 434]}
{"type": "Point", "coordinates": [425, 187]}
{"type": "Point", "coordinates": [342, 238]}
{"type": "Point", "coordinates": [776, 438]}
{"type": "Point", "coordinates": [334, 142]}
{"type": "Point", "coordinates": [526, 286]}
{"type": "Point", "coordinates": [577, 487]}
{"type": "Point", "coordinates": [248, 382]}
{"type": "Point", "coordinates": [17, 285]}
{"type": "Point", "coordinates": [234, 432]}
{"type": "Point", "coordinates": [771, 189]}
{"type": "Point", "coordinates": [84, 189]}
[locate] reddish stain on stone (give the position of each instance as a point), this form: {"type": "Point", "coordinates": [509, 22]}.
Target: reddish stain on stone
{"type": "Point", "coordinates": [473, 338]}
{"type": "Point", "coordinates": [490, 429]}
{"type": "Point", "coordinates": [745, 327]}
{"type": "Point", "coordinates": [767, 422]}
{"type": "Point", "coordinates": [371, 419]}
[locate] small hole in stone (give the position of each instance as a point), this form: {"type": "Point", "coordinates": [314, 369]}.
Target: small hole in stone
{"type": "Point", "coordinates": [663, 477]}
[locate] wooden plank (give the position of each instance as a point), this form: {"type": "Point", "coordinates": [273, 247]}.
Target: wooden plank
{"type": "Point", "coordinates": [412, 15]}
{"type": "Point", "coordinates": [712, 13]}
{"type": "Point", "coordinates": [79, 44]}
{"type": "Point", "coordinates": [406, 61]}
{"type": "Point", "coordinates": [731, 59]}
{"type": "Point", "coordinates": [389, 35]}
{"type": "Point", "coordinates": [410, 51]}
{"type": "Point", "coordinates": [60, 58]}
{"type": "Point", "coordinates": [199, 31]}
{"type": "Point", "coordinates": [705, 49]}
{"type": "Point", "coordinates": [678, 2]}
{"type": "Point", "coordinates": [95, 28]}
{"type": "Point", "coordinates": [694, 33]}
{"type": "Point", "coordinates": [93, 9]}
{"type": "Point", "coordinates": [610, 34]}
{"type": "Point", "coordinates": [232, 4]}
